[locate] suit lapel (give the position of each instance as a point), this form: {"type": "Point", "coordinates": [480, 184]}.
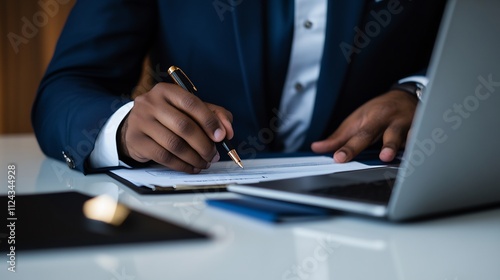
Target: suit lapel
{"type": "Point", "coordinates": [248, 34]}
{"type": "Point", "coordinates": [343, 16]}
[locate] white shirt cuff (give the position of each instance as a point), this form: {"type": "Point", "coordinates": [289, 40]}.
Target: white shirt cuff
{"type": "Point", "coordinates": [105, 153]}
{"type": "Point", "coordinates": [419, 79]}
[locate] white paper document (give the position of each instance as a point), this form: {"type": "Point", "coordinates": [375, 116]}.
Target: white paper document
{"type": "Point", "coordinates": [227, 172]}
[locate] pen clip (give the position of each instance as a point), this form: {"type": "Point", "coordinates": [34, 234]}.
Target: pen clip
{"type": "Point", "coordinates": [172, 71]}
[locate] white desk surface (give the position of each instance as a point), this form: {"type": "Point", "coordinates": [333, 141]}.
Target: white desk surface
{"type": "Point", "coordinates": [464, 246]}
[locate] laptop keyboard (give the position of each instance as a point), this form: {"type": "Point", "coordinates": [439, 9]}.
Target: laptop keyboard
{"type": "Point", "coordinates": [376, 191]}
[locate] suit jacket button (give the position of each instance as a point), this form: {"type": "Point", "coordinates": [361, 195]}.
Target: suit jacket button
{"type": "Point", "coordinates": [69, 160]}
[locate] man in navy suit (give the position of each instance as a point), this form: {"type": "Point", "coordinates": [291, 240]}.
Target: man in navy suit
{"type": "Point", "coordinates": [286, 75]}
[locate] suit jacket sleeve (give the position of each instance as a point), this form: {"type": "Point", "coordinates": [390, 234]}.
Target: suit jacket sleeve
{"type": "Point", "coordinates": [94, 69]}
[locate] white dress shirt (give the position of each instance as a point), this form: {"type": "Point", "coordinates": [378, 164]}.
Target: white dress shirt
{"type": "Point", "coordinates": [299, 89]}
{"type": "Point", "coordinates": [105, 153]}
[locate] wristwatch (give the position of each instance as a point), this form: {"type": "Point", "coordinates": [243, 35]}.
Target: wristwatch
{"type": "Point", "coordinates": [413, 88]}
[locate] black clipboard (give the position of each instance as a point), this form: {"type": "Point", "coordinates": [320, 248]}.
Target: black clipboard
{"type": "Point", "coordinates": [167, 189]}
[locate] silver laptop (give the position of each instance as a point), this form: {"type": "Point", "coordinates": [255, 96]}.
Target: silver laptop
{"type": "Point", "coordinates": [452, 157]}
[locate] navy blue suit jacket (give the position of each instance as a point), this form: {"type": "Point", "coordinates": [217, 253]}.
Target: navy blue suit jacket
{"type": "Point", "coordinates": [229, 55]}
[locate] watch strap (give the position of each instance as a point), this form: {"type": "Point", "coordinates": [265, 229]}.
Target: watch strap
{"type": "Point", "coordinates": [413, 88]}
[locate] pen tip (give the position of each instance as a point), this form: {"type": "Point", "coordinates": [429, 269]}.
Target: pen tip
{"type": "Point", "coordinates": [234, 156]}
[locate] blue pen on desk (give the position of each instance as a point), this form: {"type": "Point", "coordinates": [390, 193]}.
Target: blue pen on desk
{"type": "Point", "coordinates": [182, 80]}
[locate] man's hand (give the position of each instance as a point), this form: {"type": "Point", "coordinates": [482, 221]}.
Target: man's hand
{"type": "Point", "coordinates": [174, 128]}
{"type": "Point", "coordinates": [388, 116]}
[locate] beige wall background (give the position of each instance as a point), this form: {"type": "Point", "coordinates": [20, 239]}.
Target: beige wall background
{"type": "Point", "coordinates": [29, 30]}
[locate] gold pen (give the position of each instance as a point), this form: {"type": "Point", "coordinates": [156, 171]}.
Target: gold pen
{"type": "Point", "coordinates": [182, 80]}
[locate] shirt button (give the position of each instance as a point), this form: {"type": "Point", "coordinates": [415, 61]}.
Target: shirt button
{"type": "Point", "coordinates": [298, 87]}
{"type": "Point", "coordinates": [308, 24]}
